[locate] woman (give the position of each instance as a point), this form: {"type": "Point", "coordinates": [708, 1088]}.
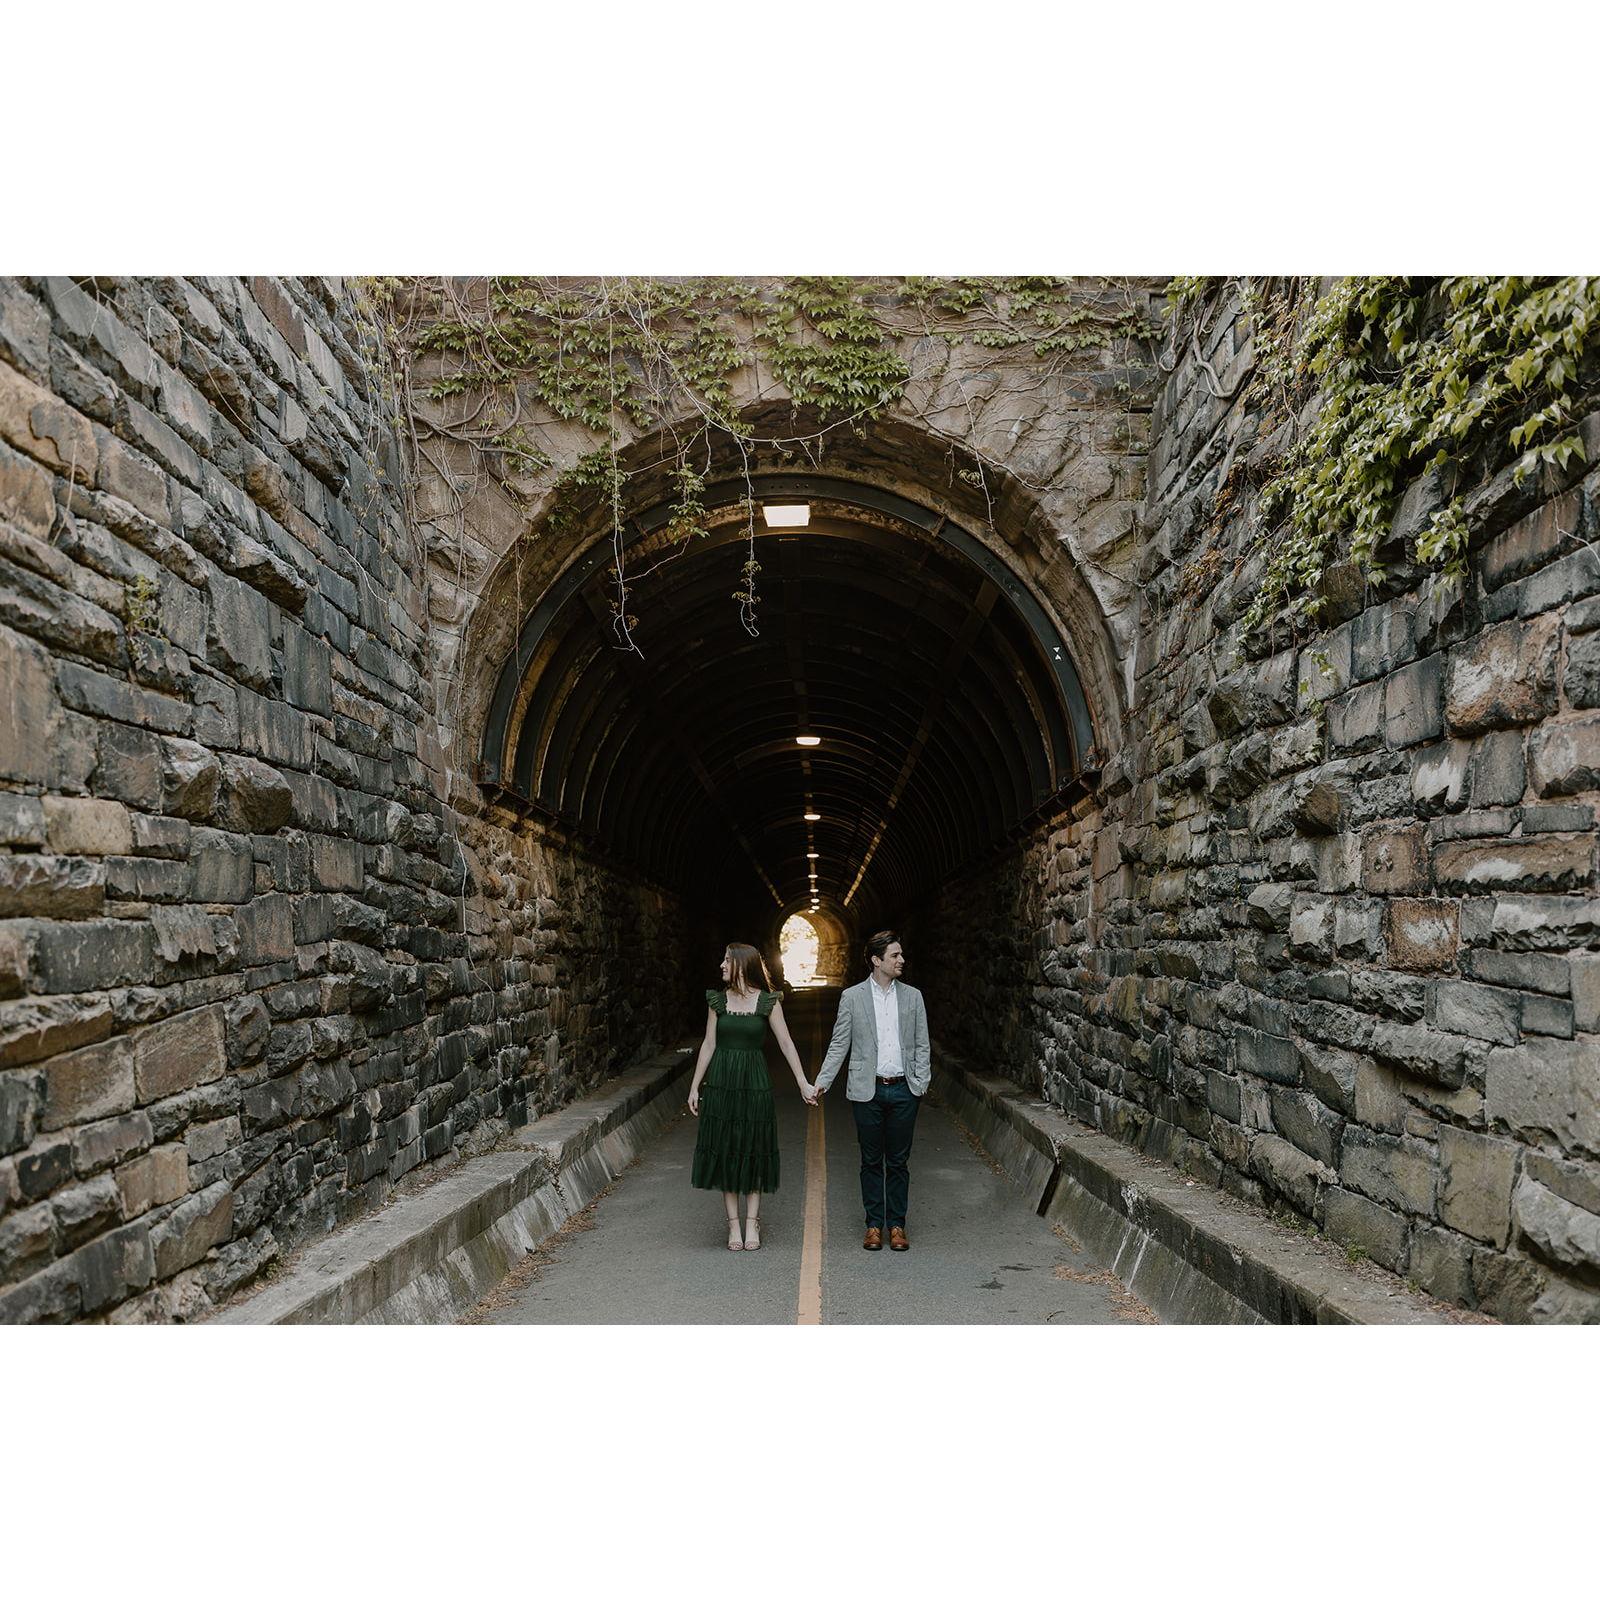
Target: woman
{"type": "Point", "coordinates": [736, 1147]}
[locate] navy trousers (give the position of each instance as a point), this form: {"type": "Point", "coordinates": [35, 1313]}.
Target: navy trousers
{"type": "Point", "coordinates": [884, 1125]}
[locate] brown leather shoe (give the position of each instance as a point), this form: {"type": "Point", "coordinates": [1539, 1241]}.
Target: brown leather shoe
{"type": "Point", "coordinates": [898, 1240]}
{"type": "Point", "coordinates": [873, 1240]}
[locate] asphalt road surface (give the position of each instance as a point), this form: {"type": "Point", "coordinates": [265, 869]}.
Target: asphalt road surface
{"type": "Point", "coordinates": [652, 1249]}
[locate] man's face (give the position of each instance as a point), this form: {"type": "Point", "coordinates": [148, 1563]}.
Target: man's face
{"type": "Point", "coordinates": [893, 961]}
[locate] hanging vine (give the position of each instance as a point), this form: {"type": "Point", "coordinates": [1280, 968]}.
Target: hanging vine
{"type": "Point", "coordinates": [516, 369]}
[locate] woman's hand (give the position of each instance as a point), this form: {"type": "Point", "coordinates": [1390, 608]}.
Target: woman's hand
{"type": "Point", "coordinates": [807, 1093]}
{"type": "Point", "coordinates": [694, 1100]}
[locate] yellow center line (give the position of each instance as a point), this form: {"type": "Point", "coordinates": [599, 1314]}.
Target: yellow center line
{"type": "Point", "coordinates": [808, 1308]}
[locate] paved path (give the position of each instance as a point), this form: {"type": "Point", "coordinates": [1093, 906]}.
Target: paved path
{"type": "Point", "coordinates": [652, 1249]}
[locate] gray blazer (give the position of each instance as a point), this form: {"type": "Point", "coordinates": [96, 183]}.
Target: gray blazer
{"type": "Point", "coordinates": [856, 1032]}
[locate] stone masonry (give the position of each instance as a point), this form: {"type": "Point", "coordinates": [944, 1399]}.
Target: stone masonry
{"type": "Point", "coordinates": [1329, 934]}
{"type": "Point", "coordinates": [253, 968]}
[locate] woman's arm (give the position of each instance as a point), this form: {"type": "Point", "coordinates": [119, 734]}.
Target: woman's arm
{"type": "Point", "coordinates": [780, 1032]}
{"type": "Point", "coordinates": [703, 1060]}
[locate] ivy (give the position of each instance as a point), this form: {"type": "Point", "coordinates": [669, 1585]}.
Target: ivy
{"type": "Point", "coordinates": [637, 356]}
{"type": "Point", "coordinates": [1405, 376]}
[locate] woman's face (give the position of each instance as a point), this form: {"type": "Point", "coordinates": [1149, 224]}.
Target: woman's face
{"type": "Point", "coordinates": [727, 968]}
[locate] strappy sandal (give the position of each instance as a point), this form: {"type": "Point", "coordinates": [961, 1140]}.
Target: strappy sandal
{"type": "Point", "coordinates": [752, 1222]}
{"type": "Point", "coordinates": [734, 1241]}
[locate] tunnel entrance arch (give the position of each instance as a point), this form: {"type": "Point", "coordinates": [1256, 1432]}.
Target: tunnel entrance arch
{"type": "Point", "coordinates": [948, 706]}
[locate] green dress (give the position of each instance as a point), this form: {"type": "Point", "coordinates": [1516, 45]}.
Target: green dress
{"type": "Point", "coordinates": [736, 1148]}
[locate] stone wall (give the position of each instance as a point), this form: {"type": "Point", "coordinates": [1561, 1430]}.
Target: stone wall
{"type": "Point", "coordinates": [1329, 935]}
{"type": "Point", "coordinates": [253, 967]}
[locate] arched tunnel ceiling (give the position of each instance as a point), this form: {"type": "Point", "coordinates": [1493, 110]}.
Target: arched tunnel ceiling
{"type": "Point", "coordinates": [948, 710]}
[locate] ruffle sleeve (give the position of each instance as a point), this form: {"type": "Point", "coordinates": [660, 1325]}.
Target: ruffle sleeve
{"type": "Point", "coordinates": [717, 1001]}
{"type": "Point", "coordinates": [765, 1001]}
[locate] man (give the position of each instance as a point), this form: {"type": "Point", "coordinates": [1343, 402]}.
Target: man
{"type": "Point", "coordinates": [883, 1025]}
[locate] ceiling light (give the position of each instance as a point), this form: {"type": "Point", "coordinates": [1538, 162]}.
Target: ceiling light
{"type": "Point", "coordinates": [787, 516]}
{"type": "Point", "coordinates": [811, 855]}
{"type": "Point", "coordinates": [813, 816]}
{"type": "Point", "coordinates": [807, 739]}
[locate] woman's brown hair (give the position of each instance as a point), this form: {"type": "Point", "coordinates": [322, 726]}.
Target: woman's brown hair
{"type": "Point", "coordinates": [746, 967]}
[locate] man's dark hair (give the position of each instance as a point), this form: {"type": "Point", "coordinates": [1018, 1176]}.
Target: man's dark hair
{"type": "Point", "coordinates": [878, 943]}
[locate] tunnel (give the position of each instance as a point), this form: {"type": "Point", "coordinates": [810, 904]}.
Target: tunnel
{"type": "Point", "coordinates": [899, 703]}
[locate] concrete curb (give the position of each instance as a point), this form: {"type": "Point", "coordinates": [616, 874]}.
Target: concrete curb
{"type": "Point", "coordinates": [430, 1256]}
{"type": "Point", "coordinates": [1188, 1251]}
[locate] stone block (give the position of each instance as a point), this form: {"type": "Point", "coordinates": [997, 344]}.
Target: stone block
{"type": "Point", "coordinates": [1547, 1086]}
{"type": "Point", "coordinates": [222, 868]}
{"type": "Point", "coordinates": [1542, 1014]}
{"type": "Point", "coordinates": [1564, 757]}
{"type": "Point", "coordinates": [43, 1169]}
{"type": "Point", "coordinates": [38, 424]}
{"type": "Point", "coordinates": [27, 1240]}
{"type": "Point", "coordinates": [27, 498]}
{"type": "Point", "coordinates": [216, 717]}
{"type": "Point", "coordinates": [1420, 1052]}
{"type": "Point", "coordinates": [255, 798]}
{"type": "Point", "coordinates": [206, 1140]}
{"type": "Point", "coordinates": [1358, 929]}
{"type": "Point", "coordinates": [178, 1054]}
{"type": "Point", "coordinates": [1394, 861]}
{"type": "Point", "coordinates": [87, 1084]}
{"type": "Point", "coordinates": [1356, 1222]}
{"type": "Point", "coordinates": [129, 766]}
{"type": "Point", "coordinates": [1477, 1010]}
{"type": "Point", "coordinates": [78, 827]}
{"type": "Point", "coordinates": [266, 929]}
{"type": "Point", "coordinates": [1561, 582]}
{"type": "Point", "coordinates": [239, 634]}
{"type": "Point", "coordinates": [1421, 935]}
{"type": "Point", "coordinates": [29, 710]}
{"type": "Point", "coordinates": [1476, 1174]}
{"type": "Point", "coordinates": [21, 1096]}
{"type": "Point", "coordinates": [1561, 1233]}
{"type": "Point", "coordinates": [275, 732]}
{"type": "Point", "coordinates": [1585, 970]}
{"type": "Point", "coordinates": [70, 958]}
{"type": "Point", "coordinates": [1497, 770]}
{"type": "Point", "coordinates": [1269, 906]}
{"type": "Point", "coordinates": [1558, 819]}
{"type": "Point", "coordinates": [1412, 703]}
{"type": "Point", "coordinates": [1531, 543]}
{"type": "Point", "coordinates": [189, 778]}
{"type": "Point", "coordinates": [1439, 777]}
{"type": "Point", "coordinates": [155, 1179]}
{"type": "Point", "coordinates": [1306, 1122]}
{"type": "Point", "coordinates": [86, 1209]}
{"type": "Point", "coordinates": [112, 1267]}
{"type": "Point", "coordinates": [131, 476]}
{"type": "Point", "coordinates": [1356, 720]}
{"type": "Point", "coordinates": [1545, 863]}
{"type": "Point", "coordinates": [1265, 1055]}
{"type": "Point", "coordinates": [1311, 927]}
{"type": "Point", "coordinates": [1288, 1172]}
{"type": "Point", "coordinates": [1514, 970]}
{"type": "Point", "coordinates": [22, 821]}
{"type": "Point", "coordinates": [103, 1144]}
{"type": "Point", "coordinates": [1441, 1264]}
{"type": "Point", "coordinates": [16, 958]}
{"type": "Point", "coordinates": [337, 863]}
{"type": "Point", "coordinates": [307, 671]}
{"type": "Point", "coordinates": [51, 886]}
{"type": "Point", "coordinates": [1543, 922]}
{"type": "Point", "coordinates": [197, 1226]}
{"type": "Point", "coordinates": [1503, 677]}
{"type": "Point", "coordinates": [1581, 682]}
{"type": "Point", "coordinates": [163, 837]}
{"type": "Point", "coordinates": [1397, 1173]}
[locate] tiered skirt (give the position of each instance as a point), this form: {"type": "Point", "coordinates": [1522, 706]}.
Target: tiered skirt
{"type": "Point", "coordinates": [736, 1148]}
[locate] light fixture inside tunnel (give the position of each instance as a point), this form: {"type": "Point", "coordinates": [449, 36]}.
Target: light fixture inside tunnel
{"type": "Point", "coordinates": [807, 739]}
{"type": "Point", "coordinates": [813, 816]}
{"type": "Point", "coordinates": [787, 516]}
{"type": "Point", "coordinates": [811, 855]}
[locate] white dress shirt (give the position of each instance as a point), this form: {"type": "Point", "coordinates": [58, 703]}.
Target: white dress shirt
{"type": "Point", "coordinates": [886, 1013]}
